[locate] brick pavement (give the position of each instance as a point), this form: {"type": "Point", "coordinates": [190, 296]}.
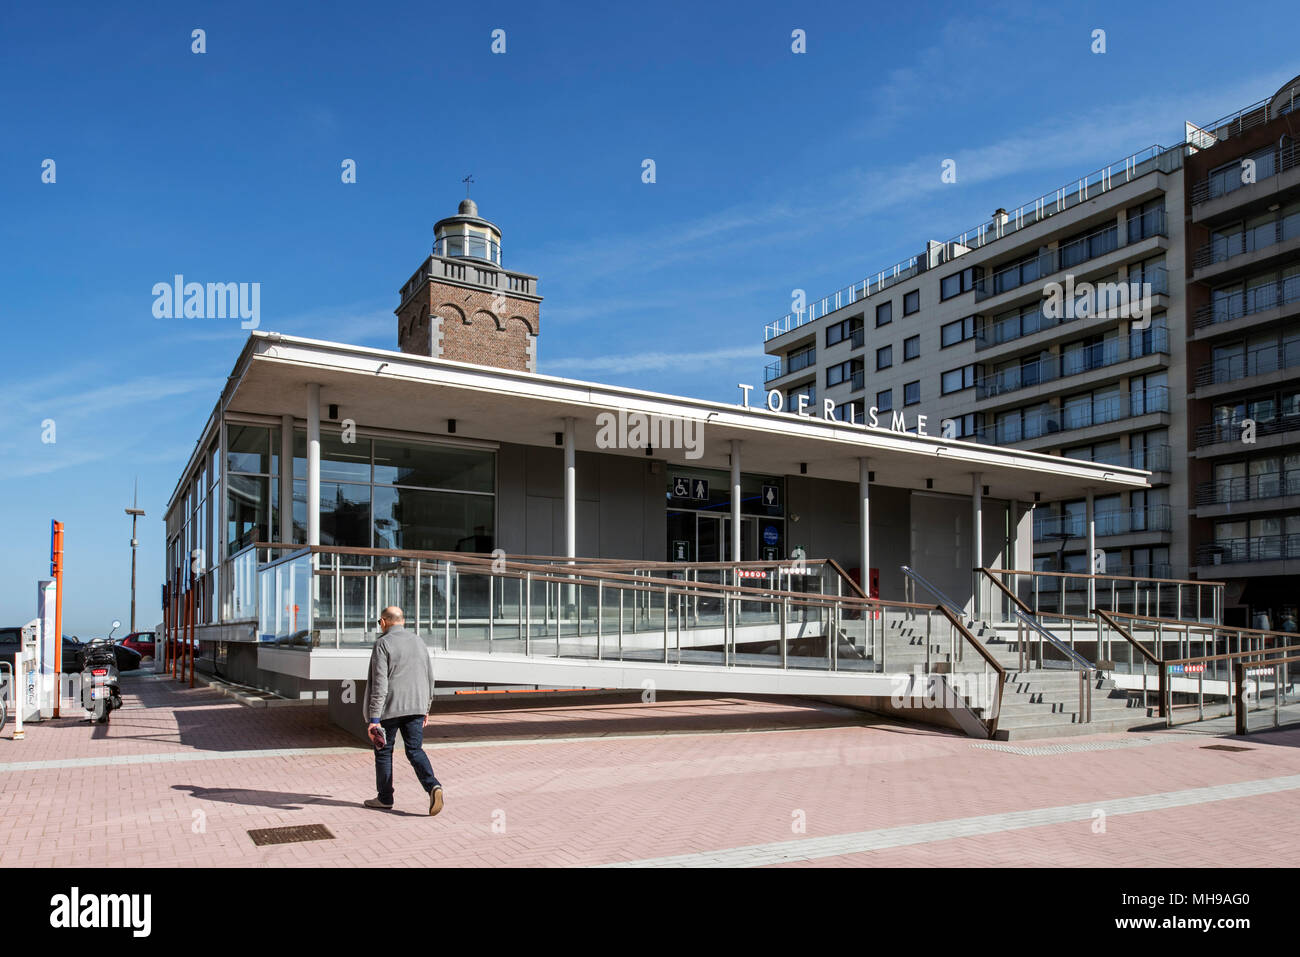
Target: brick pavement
{"type": "Point", "coordinates": [582, 782]}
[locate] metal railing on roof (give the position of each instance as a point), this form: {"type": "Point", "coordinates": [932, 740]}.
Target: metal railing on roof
{"type": "Point", "coordinates": [1087, 187]}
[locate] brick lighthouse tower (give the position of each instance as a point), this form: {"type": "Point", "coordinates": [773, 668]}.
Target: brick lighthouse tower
{"type": "Point", "coordinates": [462, 305]}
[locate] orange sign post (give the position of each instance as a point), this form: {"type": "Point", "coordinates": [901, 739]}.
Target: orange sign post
{"type": "Point", "coordinates": [56, 572]}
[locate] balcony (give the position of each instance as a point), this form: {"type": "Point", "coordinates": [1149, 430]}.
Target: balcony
{"type": "Point", "coordinates": [1154, 458]}
{"type": "Point", "coordinates": [1247, 241]}
{"type": "Point", "coordinates": [1258, 548]}
{"type": "Point", "coordinates": [1050, 368]}
{"type": "Point", "coordinates": [997, 331]}
{"type": "Point", "coordinates": [1213, 433]}
{"type": "Point", "coordinates": [1258, 361]}
{"type": "Point", "coordinates": [794, 363]}
{"type": "Point", "coordinates": [1026, 271]}
{"type": "Point", "coordinates": [1248, 302]}
{"type": "Point", "coordinates": [1122, 521]}
{"type": "Point", "coordinates": [1244, 488]}
{"type": "Point", "coordinates": [1035, 424]}
{"type": "Point", "coordinates": [1152, 159]}
{"type": "Point", "coordinates": [1224, 182]}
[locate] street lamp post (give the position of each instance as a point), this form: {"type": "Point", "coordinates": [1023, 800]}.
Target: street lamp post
{"type": "Point", "coordinates": [135, 514]}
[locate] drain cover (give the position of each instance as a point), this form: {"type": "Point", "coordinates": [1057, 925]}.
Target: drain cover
{"type": "Point", "coordinates": [290, 835]}
{"type": "Point", "coordinates": [1224, 747]}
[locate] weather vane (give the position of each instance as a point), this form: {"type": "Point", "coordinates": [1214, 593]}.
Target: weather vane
{"type": "Point", "coordinates": [467, 180]}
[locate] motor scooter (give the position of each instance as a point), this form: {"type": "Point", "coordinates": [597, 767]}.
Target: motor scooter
{"type": "Point", "coordinates": [101, 690]}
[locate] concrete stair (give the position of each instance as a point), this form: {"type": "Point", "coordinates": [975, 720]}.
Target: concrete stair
{"type": "Point", "coordinates": [1045, 704]}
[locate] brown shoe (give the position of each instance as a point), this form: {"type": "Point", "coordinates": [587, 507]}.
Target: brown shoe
{"type": "Point", "coordinates": [435, 800]}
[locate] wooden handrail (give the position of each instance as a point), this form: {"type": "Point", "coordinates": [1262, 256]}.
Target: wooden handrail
{"type": "Point", "coordinates": [1114, 578]}
{"type": "Point", "coordinates": [1105, 616]}
{"type": "Point", "coordinates": [992, 725]}
{"type": "Point", "coordinates": [1208, 625]}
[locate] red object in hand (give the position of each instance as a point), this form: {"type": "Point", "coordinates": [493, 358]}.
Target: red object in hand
{"type": "Point", "coordinates": [377, 736]}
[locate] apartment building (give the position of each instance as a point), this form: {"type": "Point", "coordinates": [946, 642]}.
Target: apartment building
{"type": "Point", "coordinates": [1173, 326]}
{"type": "Point", "coordinates": [1242, 191]}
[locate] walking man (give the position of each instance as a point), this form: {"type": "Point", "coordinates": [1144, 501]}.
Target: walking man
{"type": "Point", "coordinates": [398, 699]}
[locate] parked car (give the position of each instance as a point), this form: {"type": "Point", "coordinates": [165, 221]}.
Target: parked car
{"type": "Point", "coordinates": [141, 641]}
{"type": "Point", "coordinates": [74, 654]}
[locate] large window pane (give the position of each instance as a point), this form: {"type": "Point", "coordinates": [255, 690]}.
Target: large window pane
{"type": "Point", "coordinates": [433, 521]}
{"type": "Point", "coordinates": [248, 449]}
{"type": "Point", "coordinates": [339, 461]}
{"type": "Point", "coordinates": [431, 466]}
{"type": "Point", "coordinates": [247, 507]}
{"type": "Point", "coordinates": [344, 513]}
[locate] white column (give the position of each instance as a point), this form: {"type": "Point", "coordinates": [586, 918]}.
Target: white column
{"type": "Point", "coordinates": [286, 479]}
{"type": "Point", "coordinates": [735, 500]}
{"type": "Point", "coordinates": [864, 524]}
{"type": "Point", "coordinates": [570, 491]}
{"type": "Point", "coordinates": [313, 464]}
{"type": "Point", "coordinates": [1092, 550]}
{"type": "Point", "coordinates": [977, 537]}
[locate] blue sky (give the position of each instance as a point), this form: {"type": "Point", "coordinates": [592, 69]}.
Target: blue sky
{"type": "Point", "coordinates": [774, 171]}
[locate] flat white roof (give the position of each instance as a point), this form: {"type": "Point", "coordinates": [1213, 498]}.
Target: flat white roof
{"type": "Point", "coordinates": [384, 389]}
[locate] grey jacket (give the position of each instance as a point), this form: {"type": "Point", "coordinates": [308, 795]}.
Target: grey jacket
{"type": "Point", "coordinates": [401, 676]}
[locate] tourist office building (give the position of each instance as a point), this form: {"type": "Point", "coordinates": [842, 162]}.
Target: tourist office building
{"type": "Point", "coordinates": [454, 444]}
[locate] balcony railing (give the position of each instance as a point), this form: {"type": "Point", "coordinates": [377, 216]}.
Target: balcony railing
{"type": "Point", "coordinates": [1000, 330]}
{"type": "Point", "coordinates": [1249, 488]}
{"type": "Point", "coordinates": [800, 360]}
{"type": "Point", "coordinates": [1098, 356]}
{"type": "Point", "coordinates": [1025, 272]}
{"type": "Point", "coordinates": [1248, 241]}
{"type": "Point", "coordinates": [1248, 117]}
{"type": "Point", "coordinates": [1257, 548]}
{"type": "Point", "coordinates": [1214, 432]}
{"type": "Point", "coordinates": [1099, 181]}
{"type": "Point", "coordinates": [1042, 422]}
{"type": "Point", "coordinates": [1154, 458]}
{"type": "Point", "coordinates": [1284, 292]}
{"type": "Point", "coordinates": [1221, 184]}
{"type": "Point", "coordinates": [1258, 361]}
{"type": "Point", "coordinates": [1122, 521]}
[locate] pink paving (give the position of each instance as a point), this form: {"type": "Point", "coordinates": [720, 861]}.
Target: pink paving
{"type": "Point", "coordinates": [643, 781]}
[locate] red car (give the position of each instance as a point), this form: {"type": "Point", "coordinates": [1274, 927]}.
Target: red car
{"type": "Point", "coordinates": [141, 641]}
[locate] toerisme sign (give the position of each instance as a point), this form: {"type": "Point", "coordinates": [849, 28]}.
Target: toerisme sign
{"type": "Point", "coordinates": [875, 419]}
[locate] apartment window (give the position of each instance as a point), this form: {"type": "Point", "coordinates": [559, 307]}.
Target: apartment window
{"type": "Point", "coordinates": [849, 412]}
{"type": "Point", "coordinates": [954, 380]}
{"type": "Point", "coordinates": [849, 371]}
{"type": "Point", "coordinates": [1017, 274]}
{"type": "Point", "coordinates": [884, 357]}
{"type": "Point", "coordinates": [800, 359]}
{"type": "Point", "coordinates": [960, 282]}
{"type": "Point", "coordinates": [884, 314]}
{"type": "Point", "coordinates": [850, 329]}
{"type": "Point", "coordinates": [911, 347]}
{"type": "Point", "coordinates": [954, 332]}
{"type": "Point", "coordinates": [792, 400]}
{"type": "Point", "coordinates": [1229, 177]}
{"type": "Point", "coordinates": [1146, 220]}
{"type": "Point", "coordinates": [964, 426]}
{"type": "Point", "coordinates": [912, 393]}
{"type": "Point", "coordinates": [1090, 245]}
{"type": "Point", "coordinates": [885, 401]}
{"type": "Point", "coordinates": [912, 302]}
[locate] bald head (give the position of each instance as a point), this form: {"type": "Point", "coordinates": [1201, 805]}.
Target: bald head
{"type": "Point", "coordinates": [391, 617]}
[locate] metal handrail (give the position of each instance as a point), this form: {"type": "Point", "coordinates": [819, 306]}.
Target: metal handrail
{"type": "Point", "coordinates": [1162, 581]}
{"type": "Point", "coordinates": [925, 583]}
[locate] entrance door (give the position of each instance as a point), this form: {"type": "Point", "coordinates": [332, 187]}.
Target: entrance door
{"type": "Point", "coordinates": [713, 538]}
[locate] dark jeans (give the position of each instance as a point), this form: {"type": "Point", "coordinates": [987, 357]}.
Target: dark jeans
{"type": "Point", "coordinates": [412, 728]}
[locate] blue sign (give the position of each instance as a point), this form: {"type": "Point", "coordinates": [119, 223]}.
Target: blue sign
{"type": "Point", "coordinates": [770, 535]}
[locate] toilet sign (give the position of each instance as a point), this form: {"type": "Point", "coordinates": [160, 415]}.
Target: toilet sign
{"type": "Point", "coordinates": [697, 489]}
{"type": "Point", "coordinates": [771, 496]}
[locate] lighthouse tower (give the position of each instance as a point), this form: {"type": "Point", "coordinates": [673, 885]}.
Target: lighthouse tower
{"type": "Point", "coordinates": [461, 304]}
